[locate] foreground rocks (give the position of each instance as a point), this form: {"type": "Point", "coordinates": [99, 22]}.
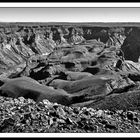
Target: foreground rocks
{"type": "Point", "coordinates": [25, 116]}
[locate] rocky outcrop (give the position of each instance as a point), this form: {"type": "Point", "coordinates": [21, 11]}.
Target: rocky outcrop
{"type": "Point", "coordinates": [29, 88]}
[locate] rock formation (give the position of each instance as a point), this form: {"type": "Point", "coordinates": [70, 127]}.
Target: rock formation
{"type": "Point", "coordinates": [96, 65]}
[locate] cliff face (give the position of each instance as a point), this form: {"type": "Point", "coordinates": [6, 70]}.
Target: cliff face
{"type": "Point", "coordinates": [19, 43]}
{"type": "Point", "coordinates": [131, 45]}
{"type": "Point", "coordinates": [18, 46]}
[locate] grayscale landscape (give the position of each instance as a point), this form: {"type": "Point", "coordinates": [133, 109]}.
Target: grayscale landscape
{"type": "Point", "coordinates": [60, 77]}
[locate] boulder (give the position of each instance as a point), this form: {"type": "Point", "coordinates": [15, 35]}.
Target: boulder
{"type": "Point", "coordinates": [72, 76]}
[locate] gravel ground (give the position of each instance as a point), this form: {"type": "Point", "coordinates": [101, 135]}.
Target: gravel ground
{"type": "Point", "coordinates": [26, 116]}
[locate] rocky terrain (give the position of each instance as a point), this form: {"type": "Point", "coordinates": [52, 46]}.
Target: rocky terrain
{"type": "Point", "coordinates": [69, 78]}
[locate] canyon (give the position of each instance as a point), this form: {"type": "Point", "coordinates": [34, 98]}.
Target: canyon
{"type": "Point", "coordinates": [95, 65]}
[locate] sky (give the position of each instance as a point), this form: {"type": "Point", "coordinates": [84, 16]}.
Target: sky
{"type": "Point", "coordinates": [72, 14]}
